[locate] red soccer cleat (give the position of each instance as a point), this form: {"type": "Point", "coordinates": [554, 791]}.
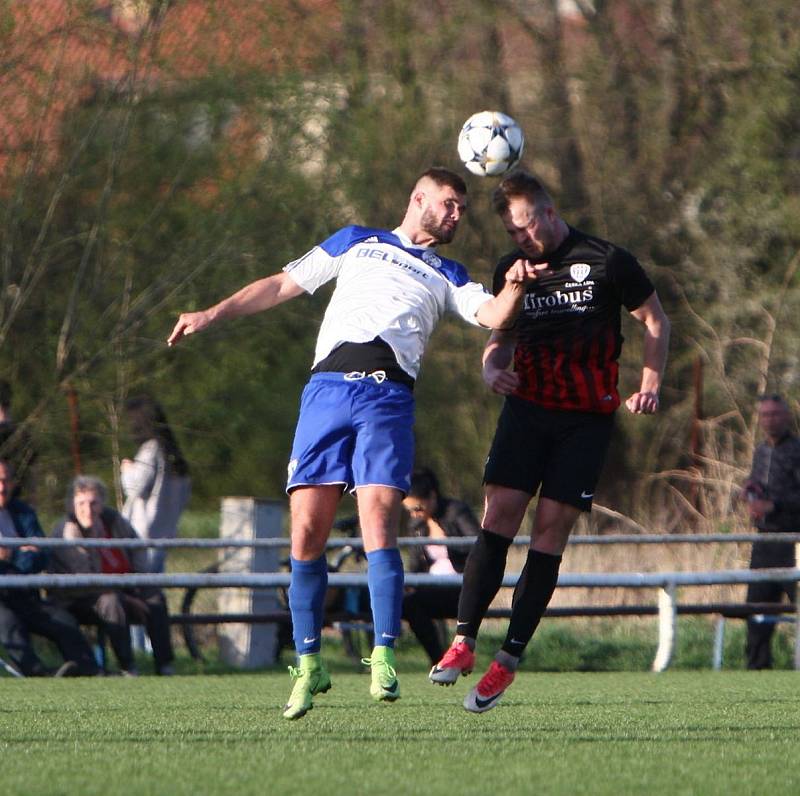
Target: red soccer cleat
{"type": "Point", "coordinates": [490, 688]}
{"type": "Point", "coordinates": [459, 659]}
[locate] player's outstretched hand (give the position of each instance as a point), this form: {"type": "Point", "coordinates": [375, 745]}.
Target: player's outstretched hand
{"type": "Point", "coordinates": [523, 271]}
{"type": "Point", "coordinates": [188, 323]}
{"type": "Point", "coordinates": [499, 380]}
{"type": "Point", "coordinates": [643, 403]}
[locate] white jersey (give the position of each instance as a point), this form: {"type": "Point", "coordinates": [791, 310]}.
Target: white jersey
{"type": "Point", "coordinates": [386, 287]}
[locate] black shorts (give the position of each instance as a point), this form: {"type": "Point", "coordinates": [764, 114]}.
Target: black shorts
{"type": "Point", "coordinates": [563, 452]}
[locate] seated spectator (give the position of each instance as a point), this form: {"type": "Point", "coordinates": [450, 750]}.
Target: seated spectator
{"type": "Point", "coordinates": [22, 611]}
{"type": "Point", "coordinates": [113, 609]}
{"type": "Point", "coordinates": [438, 517]}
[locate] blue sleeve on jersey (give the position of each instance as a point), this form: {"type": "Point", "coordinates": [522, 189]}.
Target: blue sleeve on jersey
{"type": "Point", "coordinates": [338, 243]}
{"type": "Point", "coordinates": [454, 272]}
{"type": "Point", "coordinates": [347, 237]}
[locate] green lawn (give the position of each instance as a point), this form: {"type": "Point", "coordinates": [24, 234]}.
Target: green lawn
{"type": "Point", "coordinates": [594, 733]}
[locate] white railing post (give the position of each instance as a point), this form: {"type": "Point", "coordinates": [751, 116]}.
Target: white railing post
{"type": "Point", "coordinates": [719, 644]}
{"type": "Point", "coordinates": [797, 636]}
{"type": "Point", "coordinates": [667, 626]}
{"type": "Point", "coordinates": [249, 646]}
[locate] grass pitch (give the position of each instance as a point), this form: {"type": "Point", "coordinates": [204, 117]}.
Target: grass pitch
{"type": "Point", "coordinates": [594, 733]}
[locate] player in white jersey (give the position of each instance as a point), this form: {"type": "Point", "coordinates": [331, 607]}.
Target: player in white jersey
{"type": "Point", "coordinates": [355, 430]}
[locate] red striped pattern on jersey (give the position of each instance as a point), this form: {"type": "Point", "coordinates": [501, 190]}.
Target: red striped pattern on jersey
{"type": "Point", "coordinates": [576, 373]}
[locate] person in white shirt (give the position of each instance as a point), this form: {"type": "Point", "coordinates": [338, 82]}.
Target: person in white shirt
{"type": "Point", "coordinates": [156, 481]}
{"type": "Point", "coordinates": [156, 485]}
{"type": "Point", "coordinates": [355, 430]}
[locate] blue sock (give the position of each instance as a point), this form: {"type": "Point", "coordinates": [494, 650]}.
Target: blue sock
{"type": "Point", "coordinates": [385, 578]}
{"type": "Point", "coordinates": [307, 588]}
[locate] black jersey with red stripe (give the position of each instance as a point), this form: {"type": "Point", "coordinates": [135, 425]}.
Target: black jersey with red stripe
{"type": "Point", "coordinates": [569, 334]}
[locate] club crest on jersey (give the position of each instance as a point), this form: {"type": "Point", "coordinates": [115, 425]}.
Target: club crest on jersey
{"type": "Point", "coordinates": [579, 271]}
{"type": "Point", "coordinates": [432, 259]}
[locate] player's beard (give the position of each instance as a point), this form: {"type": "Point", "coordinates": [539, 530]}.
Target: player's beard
{"type": "Point", "coordinates": [438, 230]}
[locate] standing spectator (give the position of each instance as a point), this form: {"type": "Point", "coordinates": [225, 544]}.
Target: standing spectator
{"type": "Point", "coordinates": [436, 517]}
{"type": "Point", "coordinates": [114, 610]}
{"type": "Point", "coordinates": [156, 482]}
{"type": "Point", "coordinates": [773, 501]}
{"type": "Point", "coordinates": [557, 418]}
{"type": "Point", "coordinates": [16, 445]}
{"type": "Point", "coordinates": [22, 611]}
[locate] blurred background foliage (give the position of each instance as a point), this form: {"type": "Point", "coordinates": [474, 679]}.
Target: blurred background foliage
{"type": "Point", "coordinates": [158, 155]}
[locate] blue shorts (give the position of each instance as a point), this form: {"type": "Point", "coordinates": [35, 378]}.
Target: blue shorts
{"type": "Point", "coordinates": [354, 433]}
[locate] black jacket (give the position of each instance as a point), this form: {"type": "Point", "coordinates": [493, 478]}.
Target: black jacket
{"type": "Point", "coordinates": [776, 470]}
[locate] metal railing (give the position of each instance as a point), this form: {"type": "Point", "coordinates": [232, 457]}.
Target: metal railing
{"type": "Point", "coordinates": [407, 541]}
{"type": "Point", "coordinates": [667, 584]}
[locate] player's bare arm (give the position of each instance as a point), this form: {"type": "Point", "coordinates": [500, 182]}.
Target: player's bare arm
{"type": "Point", "coordinates": [258, 296]}
{"type": "Point", "coordinates": [656, 345]}
{"type": "Point", "coordinates": [497, 358]}
{"type": "Point", "coordinates": [502, 310]}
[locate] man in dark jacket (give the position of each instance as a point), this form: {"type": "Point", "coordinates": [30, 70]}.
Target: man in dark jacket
{"type": "Point", "coordinates": [773, 501]}
{"type": "Point", "coordinates": [22, 611]}
{"type": "Point", "coordinates": [434, 516]}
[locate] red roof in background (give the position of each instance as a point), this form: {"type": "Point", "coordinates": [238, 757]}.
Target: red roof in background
{"type": "Point", "coordinates": [57, 54]}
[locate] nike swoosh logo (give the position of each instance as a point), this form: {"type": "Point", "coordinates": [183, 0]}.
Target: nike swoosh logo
{"type": "Point", "coordinates": [386, 635]}
{"type": "Point", "coordinates": [308, 640]}
{"type": "Point", "coordinates": [587, 495]}
{"type": "Point", "coordinates": [514, 641]}
{"type": "Point", "coordinates": [391, 688]}
{"type": "Point", "coordinates": [482, 703]}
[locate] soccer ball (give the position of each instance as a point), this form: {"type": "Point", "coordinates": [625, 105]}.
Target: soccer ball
{"type": "Point", "coordinates": [490, 143]}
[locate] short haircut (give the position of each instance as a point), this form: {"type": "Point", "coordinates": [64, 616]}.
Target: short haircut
{"type": "Point", "coordinates": [85, 483]}
{"type": "Point", "coordinates": [423, 483]}
{"type": "Point", "coordinates": [520, 184]}
{"type": "Point", "coordinates": [442, 176]}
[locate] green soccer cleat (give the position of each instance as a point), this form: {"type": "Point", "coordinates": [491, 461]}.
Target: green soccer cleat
{"type": "Point", "coordinates": [311, 677]}
{"type": "Point", "coordinates": [384, 687]}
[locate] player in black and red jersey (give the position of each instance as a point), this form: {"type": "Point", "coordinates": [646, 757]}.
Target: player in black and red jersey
{"type": "Point", "coordinates": [558, 415]}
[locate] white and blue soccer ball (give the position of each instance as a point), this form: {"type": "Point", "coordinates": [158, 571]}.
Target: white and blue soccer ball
{"type": "Point", "coordinates": [490, 143]}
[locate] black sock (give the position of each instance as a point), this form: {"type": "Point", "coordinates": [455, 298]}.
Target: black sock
{"type": "Point", "coordinates": [483, 574]}
{"type": "Point", "coordinates": [533, 591]}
